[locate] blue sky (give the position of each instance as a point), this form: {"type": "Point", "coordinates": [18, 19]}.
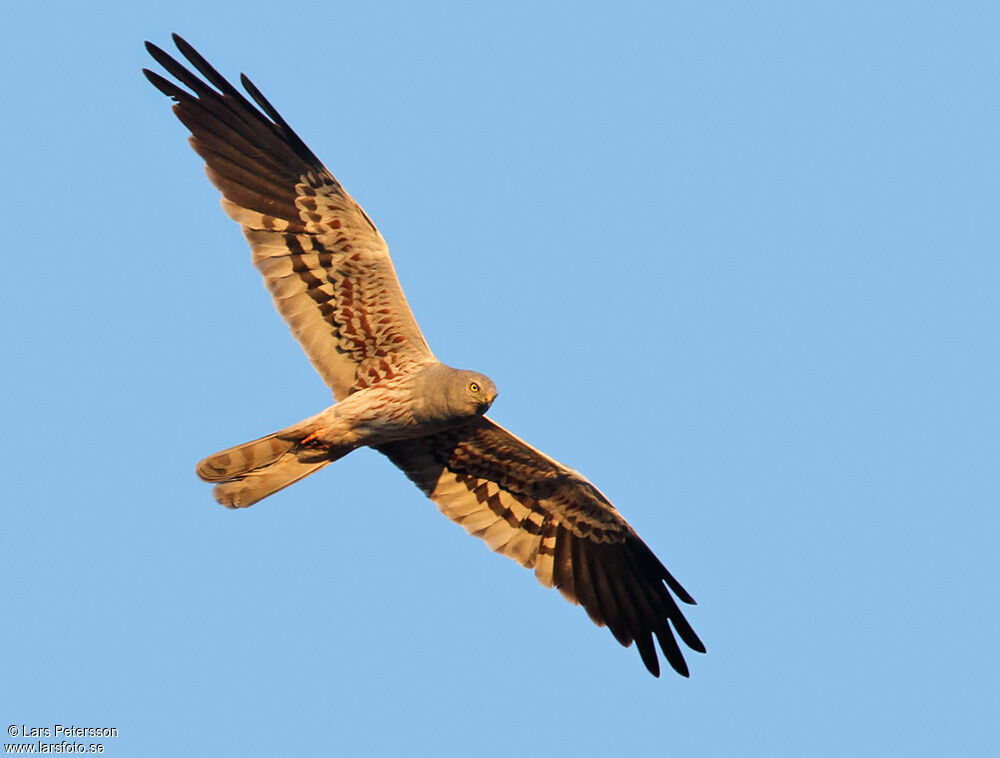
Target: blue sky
{"type": "Point", "coordinates": [737, 263]}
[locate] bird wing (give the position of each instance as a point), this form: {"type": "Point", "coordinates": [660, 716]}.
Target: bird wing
{"type": "Point", "coordinates": [549, 518]}
{"type": "Point", "coordinates": [322, 259]}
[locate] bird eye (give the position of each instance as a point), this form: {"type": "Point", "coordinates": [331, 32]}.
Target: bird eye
{"type": "Point", "coordinates": [474, 387]}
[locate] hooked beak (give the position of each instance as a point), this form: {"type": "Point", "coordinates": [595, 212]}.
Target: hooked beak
{"type": "Point", "coordinates": [485, 405]}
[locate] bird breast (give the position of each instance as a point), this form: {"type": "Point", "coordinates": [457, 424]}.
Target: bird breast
{"type": "Point", "coordinates": [411, 405]}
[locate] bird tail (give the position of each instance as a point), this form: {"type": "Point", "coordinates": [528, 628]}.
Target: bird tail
{"type": "Point", "coordinates": [250, 472]}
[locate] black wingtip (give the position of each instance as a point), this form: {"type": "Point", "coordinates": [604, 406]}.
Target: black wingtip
{"type": "Point", "coordinates": [261, 101]}
{"type": "Point", "coordinates": [155, 79]}
{"type": "Point", "coordinates": [225, 95]}
{"type": "Point", "coordinates": [165, 86]}
{"type": "Point", "coordinates": [158, 53]}
{"type": "Point", "coordinates": [682, 594]}
{"type": "Point", "coordinates": [293, 138]}
{"type": "Point", "coordinates": [206, 69]}
{"type": "Point", "coordinates": [186, 48]}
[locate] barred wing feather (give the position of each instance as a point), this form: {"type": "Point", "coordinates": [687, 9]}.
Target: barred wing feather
{"type": "Point", "coordinates": [322, 259]}
{"type": "Point", "coordinates": [549, 518]}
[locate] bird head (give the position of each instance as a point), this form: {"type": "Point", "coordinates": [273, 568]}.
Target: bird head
{"type": "Point", "coordinates": [471, 393]}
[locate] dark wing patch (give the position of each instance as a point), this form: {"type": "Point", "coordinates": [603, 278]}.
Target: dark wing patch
{"type": "Point", "coordinates": [324, 262]}
{"type": "Point", "coordinates": [549, 518]}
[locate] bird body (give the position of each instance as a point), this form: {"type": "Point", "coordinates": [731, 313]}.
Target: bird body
{"type": "Point", "coordinates": [432, 397]}
{"type": "Point", "coordinates": [331, 278]}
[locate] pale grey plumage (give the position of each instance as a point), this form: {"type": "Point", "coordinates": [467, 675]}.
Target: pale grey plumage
{"type": "Point", "coordinates": [431, 398]}
{"type": "Point", "coordinates": [329, 272]}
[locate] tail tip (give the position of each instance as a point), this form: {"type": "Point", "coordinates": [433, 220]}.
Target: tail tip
{"type": "Point", "coordinates": [234, 495]}
{"type": "Point", "coordinates": [215, 468]}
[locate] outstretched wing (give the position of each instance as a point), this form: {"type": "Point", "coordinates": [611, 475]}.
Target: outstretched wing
{"type": "Point", "coordinates": [322, 259]}
{"type": "Point", "coordinates": [549, 518]}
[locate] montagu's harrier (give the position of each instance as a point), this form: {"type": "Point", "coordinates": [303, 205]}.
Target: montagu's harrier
{"type": "Point", "coordinates": [329, 271]}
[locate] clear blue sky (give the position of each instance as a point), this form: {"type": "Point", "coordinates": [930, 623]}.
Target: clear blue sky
{"type": "Point", "coordinates": [739, 263]}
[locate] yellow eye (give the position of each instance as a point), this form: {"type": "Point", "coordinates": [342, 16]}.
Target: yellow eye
{"type": "Point", "coordinates": [474, 387]}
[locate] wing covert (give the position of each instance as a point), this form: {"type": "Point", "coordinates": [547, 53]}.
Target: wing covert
{"type": "Point", "coordinates": [322, 259]}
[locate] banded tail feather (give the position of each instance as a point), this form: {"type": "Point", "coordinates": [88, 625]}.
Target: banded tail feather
{"type": "Point", "coordinates": [247, 473]}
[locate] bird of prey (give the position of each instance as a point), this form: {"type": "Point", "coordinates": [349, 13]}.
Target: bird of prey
{"type": "Point", "coordinates": [329, 272]}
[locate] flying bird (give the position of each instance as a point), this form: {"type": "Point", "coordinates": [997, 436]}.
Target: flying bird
{"type": "Point", "coordinates": [328, 269]}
